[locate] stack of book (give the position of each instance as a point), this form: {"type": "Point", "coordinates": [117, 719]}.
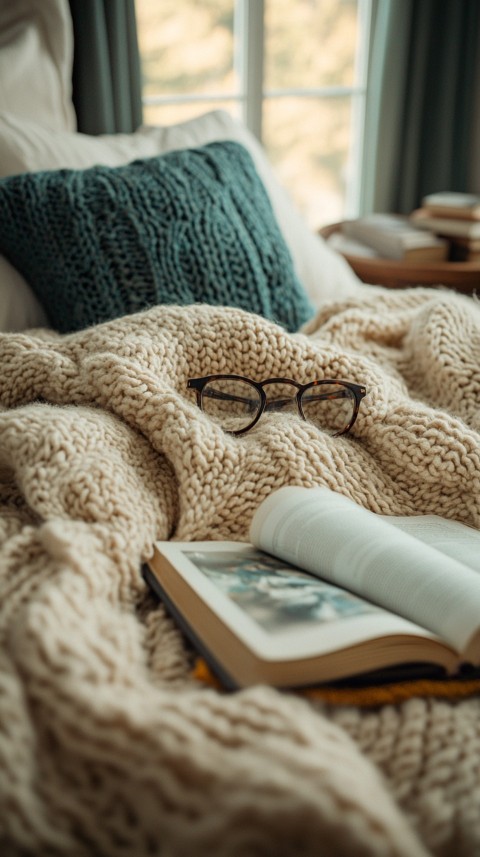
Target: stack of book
{"type": "Point", "coordinates": [390, 236]}
{"type": "Point", "coordinates": [456, 217]}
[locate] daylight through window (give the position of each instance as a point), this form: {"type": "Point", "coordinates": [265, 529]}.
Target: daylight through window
{"type": "Point", "coordinates": [293, 70]}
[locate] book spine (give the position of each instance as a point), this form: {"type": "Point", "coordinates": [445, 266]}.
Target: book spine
{"type": "Point", "coordinates": [224, 677]}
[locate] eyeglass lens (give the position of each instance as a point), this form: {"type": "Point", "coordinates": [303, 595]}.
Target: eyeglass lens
{"type": "Point", "coordinates": [329, 406]}
{"type": "Point", "coordinates": [233, 403]}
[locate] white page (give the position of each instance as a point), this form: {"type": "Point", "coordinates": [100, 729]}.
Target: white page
{"type": "Point", "coordinates": [328, 534]}
{"type": "Point", "coordinates": [270, 636]}
{"type": "Point", "coordinates": [450, 537]}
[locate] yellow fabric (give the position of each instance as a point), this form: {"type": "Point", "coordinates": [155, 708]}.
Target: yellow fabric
{"type": "Point", "coordinates": [368, 696]}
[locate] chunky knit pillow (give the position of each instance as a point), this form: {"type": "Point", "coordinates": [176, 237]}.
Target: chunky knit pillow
{"type": "Point", "coordinates": [191, 226]}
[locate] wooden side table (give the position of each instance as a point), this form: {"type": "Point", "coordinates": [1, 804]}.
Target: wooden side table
{"type": "Point", "coordinates": [461, 276]}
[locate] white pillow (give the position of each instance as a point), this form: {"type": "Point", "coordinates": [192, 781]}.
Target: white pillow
{"type": "Point", "coordinates": [27, 146]}
{"type": "Point", "coordinates": [19, 306]}
{"type": "Point", "coordinates": [36, 55]}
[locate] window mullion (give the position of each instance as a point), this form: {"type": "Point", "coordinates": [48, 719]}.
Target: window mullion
{"type": "Point", "coordinates": [353, 185]}
{"type": "Point", "coordinates": [249, 36]}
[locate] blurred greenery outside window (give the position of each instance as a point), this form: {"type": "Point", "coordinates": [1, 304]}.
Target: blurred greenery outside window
{"type": "Point", "coordinates": [294, 71]}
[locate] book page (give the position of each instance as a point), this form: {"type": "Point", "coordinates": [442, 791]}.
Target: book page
{"type": "Point", "coordinates": [450, 537]}
{"type": "Point", "coordinates": [236, 603]}
{"type": "Point", "coordinates": [330, 535]}
{"type": "Point", "coordinates": [293, 613]}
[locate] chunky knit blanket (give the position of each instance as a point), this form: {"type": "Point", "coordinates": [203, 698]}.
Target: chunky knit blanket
{"type": "Point", "coordinates": [108, 745]}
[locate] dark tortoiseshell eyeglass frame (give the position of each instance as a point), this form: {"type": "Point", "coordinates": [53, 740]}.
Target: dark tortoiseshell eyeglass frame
{"type": "Point", "coordinates": [358, 391]}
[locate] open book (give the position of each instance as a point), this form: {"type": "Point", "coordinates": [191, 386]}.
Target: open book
{"type": "Point", "coordinates": [327, 590]}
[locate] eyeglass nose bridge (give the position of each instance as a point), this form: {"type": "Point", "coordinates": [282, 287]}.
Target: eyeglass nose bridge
{"type": "Point", "coordinates": [278, 404]}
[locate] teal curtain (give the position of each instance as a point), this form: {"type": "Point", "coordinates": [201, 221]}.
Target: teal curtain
{"type": "Point", "coordinates": [422, 99]}
{"type": "Point", "coordinates": [106, 66]}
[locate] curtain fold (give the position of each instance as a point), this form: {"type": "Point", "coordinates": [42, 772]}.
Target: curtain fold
{"type": "Point", "coordinates": [106, 66]}
{"type": "Point", "coordinates": [420, 119]}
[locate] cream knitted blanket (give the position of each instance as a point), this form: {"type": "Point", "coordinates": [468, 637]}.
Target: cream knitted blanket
{"type": "Point", "coordinates": [108, 747]}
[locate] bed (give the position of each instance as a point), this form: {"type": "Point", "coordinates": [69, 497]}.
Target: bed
{"type": "Point", "coordinates": [109, 742]}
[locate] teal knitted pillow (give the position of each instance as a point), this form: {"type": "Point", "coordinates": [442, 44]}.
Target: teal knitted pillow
{"type": "Point", "coordinates": [191, 226]}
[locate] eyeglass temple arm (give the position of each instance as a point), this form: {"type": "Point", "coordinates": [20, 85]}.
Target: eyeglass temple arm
{"type": "Point", "coordinates": [321, 397]}
{"type": "Point", "coordinates": [227, 397]}
{"type": "Point", "coordinates": [277, 404]}
{"type": "Point", "coordinates": [273, 404]}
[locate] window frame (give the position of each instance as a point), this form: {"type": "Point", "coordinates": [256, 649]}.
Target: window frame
{"type": "Point", "coordinates": [249, 44]}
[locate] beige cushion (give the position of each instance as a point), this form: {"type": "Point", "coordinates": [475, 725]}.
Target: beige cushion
{"type": "Point", "coordinates": [29, 146]}
{"type": "Point", "coordinates": [36, 53]}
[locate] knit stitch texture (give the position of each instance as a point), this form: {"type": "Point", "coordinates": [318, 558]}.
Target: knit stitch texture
{"type": "Point", "coordinates": [193, 226]}
{"type": "Point", "coordinates": [108, 747]}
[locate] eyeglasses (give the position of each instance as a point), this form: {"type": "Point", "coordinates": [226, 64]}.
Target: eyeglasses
{"type": "Point", "coordinates": [236, 403]}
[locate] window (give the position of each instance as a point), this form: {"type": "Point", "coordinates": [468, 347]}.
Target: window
{"type": "Point", "coordinates": [293, 70]}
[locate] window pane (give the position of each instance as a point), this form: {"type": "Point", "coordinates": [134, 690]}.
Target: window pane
{"type": "Point", "coordinates": [188, 52]}
{"type": "Point", "coordinates": [186, 46]}
{"type": "Point", "coordinates": [308, 141]}
{"type": "Point", "coordinates": [310, 43]}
